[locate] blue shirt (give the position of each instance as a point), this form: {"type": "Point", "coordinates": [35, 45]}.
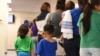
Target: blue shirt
{"type": "Point", "coordinates": [46, 48]}
{"type": "Point", "coordinates": [75, 17]}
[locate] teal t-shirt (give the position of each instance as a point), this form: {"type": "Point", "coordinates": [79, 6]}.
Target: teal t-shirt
{"type": "Point", "coordinates": [25, 44]}
{"type": "Point", "coordinates": [92, 38]}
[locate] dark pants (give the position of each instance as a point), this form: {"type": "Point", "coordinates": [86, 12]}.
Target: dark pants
{"type": "Point", "coordinates": [72, 46]}
{"type": "Point", "coordinates": [39, 37]}
{"type": "Point", "coordinates": [71, 51]}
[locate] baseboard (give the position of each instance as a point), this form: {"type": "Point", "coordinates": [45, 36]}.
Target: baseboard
{"type": "Point", "coordinates": [10, 49]}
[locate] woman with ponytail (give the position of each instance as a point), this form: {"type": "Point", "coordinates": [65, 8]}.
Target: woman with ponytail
{"type": "Point", "coordinates": [24, 44]}
{"type": "Point", "coordinates": [89, 24]}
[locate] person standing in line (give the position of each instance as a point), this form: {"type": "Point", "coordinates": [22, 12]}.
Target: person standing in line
{"type": "Point", "coordinates": [72, 46]}
{"type": "Point", "coordinates": [89, 25]}
{"type": "Point", "coordinates": [45, 9]}
{"type": "Point", "coordinates": [69, 6]}
{"type": "Point", "coordinates": [55, 17]}
{"type": "Point", "coordinates": [47, 46]}
{"type": "Point", "coordinates": [26, 23]}
{"type": "Point", "coordinates": [34, 28]}
{"type": "Point", "coordinates": [33, 32]}
{"type": "Point", "coordinates": [24, 44]}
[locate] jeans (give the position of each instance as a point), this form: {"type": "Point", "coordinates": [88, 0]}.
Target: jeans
{"type": "Point", "coordinates": [89, 51]}
{"type": "Point", "coordinates": [23, 53]}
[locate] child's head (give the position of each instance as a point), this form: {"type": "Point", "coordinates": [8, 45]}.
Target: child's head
{"type": "Point", "coordinates": [92, 5]}
{"type": "Point", "coordinates": [49, 29]}
{"type": "Point", "coordinates": [23, 30]}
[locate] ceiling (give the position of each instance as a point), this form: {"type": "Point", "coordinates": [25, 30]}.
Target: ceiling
{"type": "Point", "coordinates": [30, 5]}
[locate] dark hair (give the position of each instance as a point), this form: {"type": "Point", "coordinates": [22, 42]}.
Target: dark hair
{"type": "Point", "coordinates": [63, 1]}
{"type": "Point", "coordinates": [60, 5]}
{"type": "Point", "coordinates": [23, 30]}
{"type": "Point", "coordinates": [49, 28]}
{"type": "Point", "coordinates": [87, 14]}
{"type": "Point", "coordinates": [69, 5]}
{"type": "Point", "coordinates": [82, 3]}
{"type": "Point", "coordinates": [34, 20]}
{"type": "Point", "coordinates": [45, 6]}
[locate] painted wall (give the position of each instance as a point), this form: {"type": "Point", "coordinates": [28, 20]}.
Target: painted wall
{"type": "Point", "coordinates": [3, 23]}
{"type": "Point", "coordinates": [12, 28]}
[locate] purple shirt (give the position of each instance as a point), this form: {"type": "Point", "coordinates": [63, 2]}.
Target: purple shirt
{"type": "Point", "coordinates": [34, 30]}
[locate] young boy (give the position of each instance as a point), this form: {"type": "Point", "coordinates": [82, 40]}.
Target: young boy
{"type": "Point", "coordinates": [47, 46]}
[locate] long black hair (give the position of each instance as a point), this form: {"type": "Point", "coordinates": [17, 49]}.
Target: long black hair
{"type": "Point", "coordinates": [87, 14]}
{"type": "Point", "coordinates": [23, 30]}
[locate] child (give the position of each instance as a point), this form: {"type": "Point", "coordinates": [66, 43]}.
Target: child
{"type": "Point", "coordinates": [47, 46]}
{"type": "Point", "coordinates": [89, 26]}
{"type": "Point", "coordinates": [24, 44]}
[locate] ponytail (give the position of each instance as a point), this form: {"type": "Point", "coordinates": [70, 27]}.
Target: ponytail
{"type": "Point", "coordinates": [86, 18]}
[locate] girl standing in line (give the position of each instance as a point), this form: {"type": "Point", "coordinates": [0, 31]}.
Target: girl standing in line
{"type": "Point", "coordinates": [24, 44]}
{"type": "Point", "coordinates": [89, 24]}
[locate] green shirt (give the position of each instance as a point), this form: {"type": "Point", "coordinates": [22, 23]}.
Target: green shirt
{"type": "Point", "coordinates": [25, 44]}
{"type": "Point", "coordinates": [92, 38]}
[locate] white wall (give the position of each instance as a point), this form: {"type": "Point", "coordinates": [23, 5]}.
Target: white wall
{"type": "Point", "coordinates": [3, 23]}
{"type": "Point", "coordinates": [12, 28]}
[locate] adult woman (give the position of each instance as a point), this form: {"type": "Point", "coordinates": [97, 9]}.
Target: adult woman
{"type": "Point", "coordinates": [45, 9]}
{"type": "Point", "coordinates": [72, 46]}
